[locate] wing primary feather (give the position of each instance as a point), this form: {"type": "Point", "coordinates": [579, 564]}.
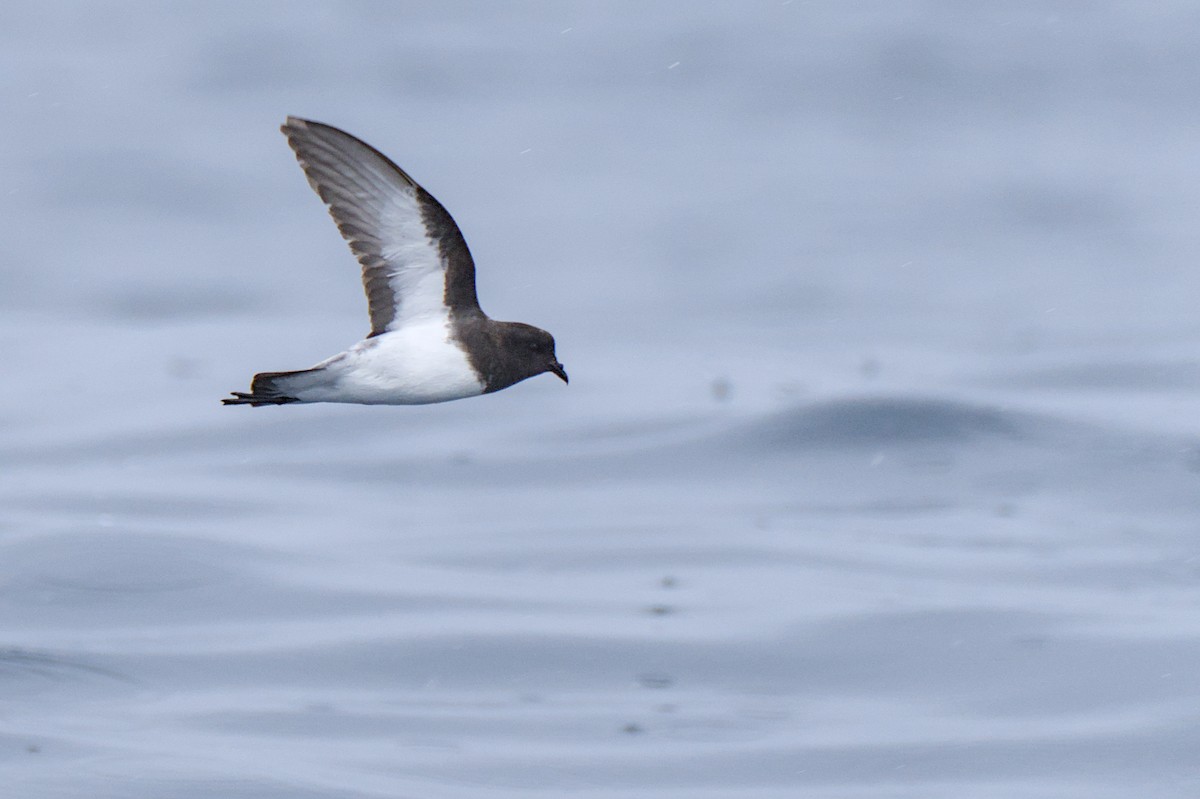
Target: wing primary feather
{"type": "Point", "coordinates": [401, 236]}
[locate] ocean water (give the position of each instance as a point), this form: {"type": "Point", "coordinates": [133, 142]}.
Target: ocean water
{"type": "Point", "coordinates": [878, 474]}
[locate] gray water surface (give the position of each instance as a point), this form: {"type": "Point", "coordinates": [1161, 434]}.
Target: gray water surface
{"type": "Point", "coordinates": [878, 474]}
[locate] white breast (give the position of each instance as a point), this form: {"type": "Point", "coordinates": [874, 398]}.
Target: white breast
{"type": "Point", "coordinates": [417, 364]}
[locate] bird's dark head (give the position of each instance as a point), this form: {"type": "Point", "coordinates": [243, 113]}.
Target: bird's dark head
{"type": "Point", "coordinates": [528, 351]}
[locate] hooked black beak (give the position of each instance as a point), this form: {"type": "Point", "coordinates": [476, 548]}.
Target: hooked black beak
{"type": "Point", "coordinates": [557, 368]}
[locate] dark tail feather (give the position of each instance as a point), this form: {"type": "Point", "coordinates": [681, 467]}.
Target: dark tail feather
{"type": "Point", "coordinates": [265, 389]}
{"type": "Point", "coordinates": [255, 400]}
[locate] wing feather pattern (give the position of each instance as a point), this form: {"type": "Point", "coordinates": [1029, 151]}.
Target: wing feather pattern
{"type": "Point", "coordinates": [415, 262]}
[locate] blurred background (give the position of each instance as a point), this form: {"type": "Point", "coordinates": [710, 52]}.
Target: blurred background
{"type": "Point", "coordinates": [878, 472]}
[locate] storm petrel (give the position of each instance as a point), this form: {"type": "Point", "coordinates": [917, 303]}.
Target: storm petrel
{"type": "Point", "coordinates": [429, 341]}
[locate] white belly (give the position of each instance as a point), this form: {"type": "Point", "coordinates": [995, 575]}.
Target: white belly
{"type": "Point", "coordinates": [415, 365]}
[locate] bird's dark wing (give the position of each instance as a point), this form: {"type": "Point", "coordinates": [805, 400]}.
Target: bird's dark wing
{"type": "Point", "coordinates": [415, 263]}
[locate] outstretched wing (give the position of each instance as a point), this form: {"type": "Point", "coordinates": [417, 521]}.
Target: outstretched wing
{"type": "Point", "coordinates": [415, 262]}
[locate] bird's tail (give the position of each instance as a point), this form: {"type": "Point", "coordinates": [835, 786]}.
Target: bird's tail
{"type": "Point", "coordinates": [272, 388]}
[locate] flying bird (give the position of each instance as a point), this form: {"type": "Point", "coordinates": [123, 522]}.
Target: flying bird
{"type": "Point", "coordinates": [429, 341]}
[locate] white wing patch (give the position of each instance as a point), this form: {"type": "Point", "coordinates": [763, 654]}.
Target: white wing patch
{"type": "Point", "coordinates": [416, 271]}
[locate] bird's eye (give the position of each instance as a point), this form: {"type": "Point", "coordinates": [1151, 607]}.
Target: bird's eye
{"type": "Point", "coordinates": [534, 346]}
